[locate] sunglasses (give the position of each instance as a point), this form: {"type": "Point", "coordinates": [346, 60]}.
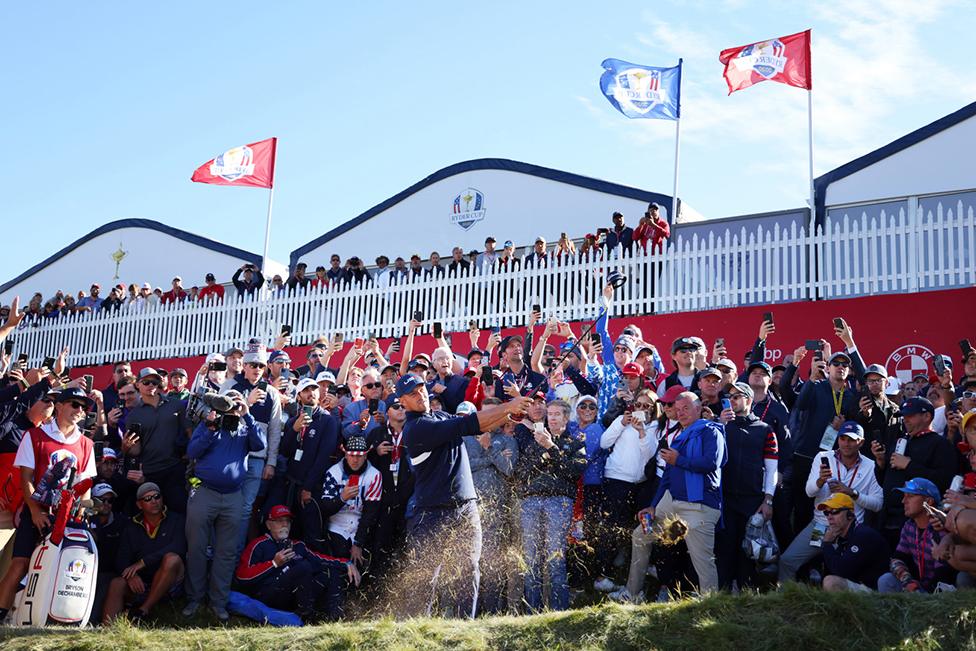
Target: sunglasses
{"type": "Point", "coordinates": [150, 383]}
{"type": "Point", "coordinates": [78, 405]}
{"type": "Point", "coordinates": [840, 364]}
{"type": "Point", "coordinates": [395, 406]}
{"type": "Point", "coordinates": [255, 365]}
{"type": "Point", "coordinates": [372, 385]}
{"type": "Point", "coordinates": [969, 394]}
{"type": "Point", "coordinates": [586, 405]}
{"type": "Point", "coordinates": [834, 511]}
{"type": "Point", "coordinates": [621, 349]}
{"type": "Point", "coordinates": [151, 498]}
{"type": "Point", "coordinates": [643, 405]}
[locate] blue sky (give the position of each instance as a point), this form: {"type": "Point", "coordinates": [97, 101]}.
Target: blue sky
{"type": "Point", "coordinates": [108, 107]}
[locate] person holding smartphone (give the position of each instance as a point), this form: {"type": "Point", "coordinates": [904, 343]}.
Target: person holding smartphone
{"type": "Point", "coordinates": [368, 412]}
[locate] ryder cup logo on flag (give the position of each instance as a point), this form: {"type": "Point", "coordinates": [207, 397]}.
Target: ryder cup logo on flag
{"type": "Point", "coordinates": [469, 207]}
{"type": "Point", "coordinates": [642, 91]}
{"type": "Point", "coordinates": [767, 58]}
{"type": "Point", "coordinates": [234, 163]}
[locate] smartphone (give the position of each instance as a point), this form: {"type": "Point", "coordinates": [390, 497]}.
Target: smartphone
{"type": "Point", "coordinates": [438, 330]}
{"type": "Point", "coordinates": [965, 346]}
{"type": "Point", "coordinates": [663, 443]}
{"type": "Point", "coordinates": [286, 331]}
{"type": "Point", "coordinates": [22, 359]}
{"type": "Point", "coordinates": [938, 363]}
{"type": "Point", "coordinates": [333, 390]}
{"type": "Point", "coordinates": [638, 415]}
{"type": "Point", "coordinates": [337, 338]}
{"type": "Point", "coordinates": [89, 381]}
{"type": "Point", "coordinates": [934, 512]}
{"type": "Point", "coordinates": [308, 410]}
{"type": "Point", "coordinates": [48, 363]}
{"type": "Point", "coordinates": [539, 427]}
{"type": "Point", "coordinates": [768, 317]}
{"type": "Point", "coordinates": [813, 344]}
{"type": "Point", "coordinates": [726, 404]}
{"type": "Point", "coordinates": [99, 449]}
{"type": "Point", "coordinates": [8, 346]}
{"type": "Point", "coordinates": [418, 315]}
{"type": "Point", "coordinates": [472, 325]}
{"type": "Point", "coordinates": [824, 462]}
{"type": "Point", "coordinates": [358, 343]}
{"type": "Point", "coordinates": [373, 405]}
{"type": "Point", "coordinates": [218, 366]}
{"type": "Point", "coordinates": [496, 329]}
{"type": "Point", "coordinates": [133, 428]}
{"type": "Point", "coordinates": [818, 355]}
{"type": "Point", "coordinates": [286, 374]}
{"type": "Point", "coordinates": [537, 308]}
{"type": "Point", "coordinates": [395, 346]}
{"type": "Point", "coordinates": [486, 375]}
{"type": "Point", "coordinates": [720, 342]}
{"type": "Point", "coordinates": [262, 385]}
{"type": "Point", "coordinates": [838, 322]}
{"type": "Point", "coordinates": [595, 337]}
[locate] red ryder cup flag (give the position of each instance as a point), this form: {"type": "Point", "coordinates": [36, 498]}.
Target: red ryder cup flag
{"type": "Point", "coordinates": [642, 91]}
{"type": "Point", "coordinates": [251, 165]}
{"type": "Point", "coordinates": [785, 59]}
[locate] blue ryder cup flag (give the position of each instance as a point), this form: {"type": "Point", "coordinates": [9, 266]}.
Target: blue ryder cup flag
{"type": "Point", "coordinates": [642, 91]}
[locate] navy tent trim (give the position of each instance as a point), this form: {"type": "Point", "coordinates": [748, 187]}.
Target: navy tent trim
{"type": "Point", "coordinates": [821, 182]}
{"type": "Point", "coordinates": [483, 164]}
{"type": "Point", "coordinates": [137, 223]}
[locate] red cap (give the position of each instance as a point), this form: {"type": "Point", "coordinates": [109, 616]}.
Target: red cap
{"type": "Point", "coordinates": [633, 369]}
{"type": "Point", "coordinates": [672, 394]}
{"type": "Point", "coordinates": [279, 511]}
{"type": "Point", "coordinates": [471, 371]}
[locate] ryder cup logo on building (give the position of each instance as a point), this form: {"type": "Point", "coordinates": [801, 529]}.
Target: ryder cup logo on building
{"type": "Point", "coordinates": [234, 163]}
{"type": "Point", "coordinates": [767, 58]}
{"type": "Point", "coordinates": [469, 207]}
{"type": "Point", "coordinates": [638, 89]}
{"type": "Point", "coordinates": [909, 361]}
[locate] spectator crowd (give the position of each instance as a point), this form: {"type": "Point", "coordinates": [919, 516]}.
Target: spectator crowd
{"type": "Point", "coordinates": [248, 280]}
{"type": "Point", "coordinates": [513, 474]}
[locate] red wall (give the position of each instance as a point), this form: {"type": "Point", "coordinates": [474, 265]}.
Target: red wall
{"type": "Point", "coordinates": [901, 330]}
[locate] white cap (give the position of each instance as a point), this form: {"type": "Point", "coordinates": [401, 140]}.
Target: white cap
{"type": "Point", "coordinates": [215, 357]}
{"type": "Point", "coordinates": [102, 489]}
{"type": "Point", "coordinates": [306, 383]}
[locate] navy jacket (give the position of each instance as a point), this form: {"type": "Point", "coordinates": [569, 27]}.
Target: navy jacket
{"type": "Point", "coordinates": [861, 557]}
{"type": "Point", "coordinates": [136, 544]}
{"type": "Point", "coordinates": [439, 458]}
{"type": "Point", "coordinates": [221, 456]}
{"type": "Point", "coordinates": [319, 443]}
{"type": "Point", "coordinates": [453, 395]}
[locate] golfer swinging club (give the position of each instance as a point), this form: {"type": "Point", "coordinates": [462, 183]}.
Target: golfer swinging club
{"type": "Point", "coordinates": [444, 535]}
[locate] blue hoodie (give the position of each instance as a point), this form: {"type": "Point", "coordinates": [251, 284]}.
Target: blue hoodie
{"type": "Point", "coordinates": [221, 456]}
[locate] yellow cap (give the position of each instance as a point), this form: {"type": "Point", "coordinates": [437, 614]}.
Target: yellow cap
{"type": "Point", "coordinates": [967, 417]}
{"type": "Point", "coordinates": [836, 501]}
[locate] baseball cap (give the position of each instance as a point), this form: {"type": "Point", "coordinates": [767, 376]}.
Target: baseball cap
{"type": "Point", "coordinates": [632, 369]}
{"type": "Point", "coordinates": [840, 355]}
{"type": "Point", "coordinates": [75, 393]}
{"type": "Point", "coordinates": [100, 490]}
{"type": "Point", "coordinates": [489, 239]}
{"type": "Point", "coordinates": [711, 370]}
{"type": "Point", "coordinates": [256, 352]}
{"type": "Point", "coordinates": [727, 363]}
{"type": "Point", "coordinates": [148, 487]}
{"type": "Point", "coordinates": [279, 511]}
{"type": "Point", "coordinates": [306, 383]}
{"type": "Point", "coordinates": [210, 277]}
{"type": "Point", "coordinates": [471, 370]}
{"type": "Point", "coordinates": [326, 376]}
{"type": "Point", "coordinates": [279, 356]}
{"type": "Point", "coordinates": [465, 408]}
{"type": "Point", "coordinates": [356, 445]}
{"type": "Point", "coordinates": [836, 501]}
{"type": "Point", "coordinates": [921, 486]}
{"type": "Point", "coordinates": [744, 389]}
{"type": "Point", "coordinates": [476, 351]}
{"type": "Point", "coordinates": [407, 384]}
{"type": "Point", "coordinates": [215, 357]}
{"type": "Point", "coordinates": [149, 372]}
{"type": "Point", "coordinates": [917, 405]}
{"type": "Point", "coordinates": [234, 350]}
{"type": "Point", "coordinates": [627, 341]}
{"type": "Point", "coordinates": [109, 453]}
{"type": "Point", "coordinates": [507, 341]}
{"type": "Point", "coordinates": [851, 429]}
{"type": "Point", "coordinates": [672, 394]}
{"type": "Point", "coordinates": [763, 365]}
{"type": "Point", "coordinates": [876, 369]}
{"type": "Point", "coordinates": [539, 238]}
{"type": "Point", "coordinates": [967, 417]}
{"type": "Point", "coordinates": [414, 363]}
{"type": "Point", "coordinates": [509, 244]}
{"type": "Point", "coordinates": [584, 398]}
{"type": "Point", "coordinates": [178, 371]}
{"type": "Point", "coordinates": [683, 343]}
{"type": "Point", "coordinates": [146, 286]}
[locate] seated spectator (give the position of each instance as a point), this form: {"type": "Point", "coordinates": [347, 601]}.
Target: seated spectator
{"type": "Point", "coordinates": [150, 561]}
{"type": "Point", "coordinates": [176, 295]}
{"type": "Point", "coordinates": [914, 566]}
{"type": "Point", "coordinates": [548, 468]}
{"type": "Point", "coordinates": [855, 555]}
{"type": "Point", "coordinates": [212, 292]}
{"type": "Point", "coordinates": [283, 573]}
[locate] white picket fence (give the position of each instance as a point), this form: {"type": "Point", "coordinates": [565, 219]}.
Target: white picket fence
{"type": "Point", "coordinates": [854, 256]}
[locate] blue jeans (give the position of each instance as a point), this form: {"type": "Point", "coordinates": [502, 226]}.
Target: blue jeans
{"type": "Point", "coordinates": [252, 483]}
{"type": "Point", "coordinates": [545, 523]}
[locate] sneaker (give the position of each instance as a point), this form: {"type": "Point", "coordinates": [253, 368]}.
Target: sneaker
{"type": "Point", "coordinates": [221, 614]}
{"type": "Point", "coordinates": [190, 609]}
{"type": "Point", "coordinates": [623, 596]}
{"type": "Point", "coordinates": [603, 584]}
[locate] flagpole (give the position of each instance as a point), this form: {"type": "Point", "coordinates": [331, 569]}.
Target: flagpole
{"type": "Point", "coordinates": [813, 207]}
{"type": "Point", "coordinates": [677, 151]}
{"type": "Point", "coordinates": [267, 233]}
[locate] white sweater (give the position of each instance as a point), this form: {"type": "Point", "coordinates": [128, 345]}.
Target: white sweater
{"type": "Point", "coordinates": [860, 478]}
{"type": "Point", "coordinates": [630, 452]}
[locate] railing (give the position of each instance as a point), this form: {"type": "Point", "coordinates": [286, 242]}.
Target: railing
{"type": "Point", "coordinates": [907, 252]}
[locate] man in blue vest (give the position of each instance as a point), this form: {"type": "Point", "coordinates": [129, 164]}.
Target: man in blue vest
{"type": "Point", "coordinates": [445, 532]}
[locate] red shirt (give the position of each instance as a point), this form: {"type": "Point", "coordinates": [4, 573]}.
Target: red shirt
{"type": "Point", "coordinates": [215, 290]}
{"type": "Point", "coordinates": [647, 231]}
{"type": "Point", "coordinates": [172, 296]}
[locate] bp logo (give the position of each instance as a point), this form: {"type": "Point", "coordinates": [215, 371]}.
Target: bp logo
{"type": "Point", "coordinates": [469, 207]}
{"type": "Point", "coordinates": [908, 361]}
{"type": "Point", "coordinates": [233, 164]}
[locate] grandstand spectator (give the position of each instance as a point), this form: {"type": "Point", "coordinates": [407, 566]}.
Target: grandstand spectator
{"type": "Point", "coordinates": [114, 300]}
{"type": "Point", "coordinates": [772, 412]}
{"type": "Point", "coordinates": [150, 560]}
{"type": "Point", "coordinates": [436, 270]}
{"type": "Point", "coordinates": [506, 260]}
{"type": "Point", "coordinates": [278, 287]}
{"type": "Point", "coordinates": [458, 265]}
{"type": "Point", "coordinates": [589, 250]}
{"type": "Point", "coordinates": [416, 270]}
{"type": "Point", "coordinates": [175, 295]}
{"type": "Point", "coordinates": [219, 449]}
{"type": "Point", "coordinates": [653, 228]}
{"type": "Point", "coordinates": [448, 386]}
{"type": "Point", "coordinates": [336, 274]}
{"type": "Point", "coordinates": [518, 373]}
{"type": "Point", "coordinates": [619, 234]}
{"type": "Point", "coordinates": [486, 260]}
{"type": "Point", "coordinates": [356, 273]}
{"type": "Point", "coordinates": [855, 555]}
{"type": "Point", "coordinates": [877, 413]}
{"type": "Point", "coordinates": [539, 257]}
{"type": "Point", "coordinates": [212, 291]}
{"type": "Point", "coordinates": [93, 302]}
{"type": "Point", "coordinates": [251, 282]}
{"type": "Point", "coordinates": [549, 466]}
{"type": "Point", "coordinates": [383, 274]}
{"type": "Point", "coordinates": [710, 389]}
{"type": "Point", "coordinates": [298, 280]}
{"type": "Point", "coordinates": [366, 413]}
{"type": "Point", "coordinates": [565, 251]}
{"type": "Point", "coordinates": [110, 393]}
